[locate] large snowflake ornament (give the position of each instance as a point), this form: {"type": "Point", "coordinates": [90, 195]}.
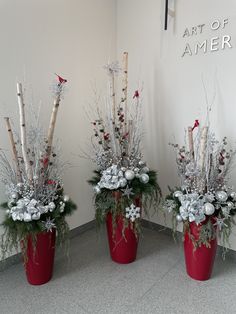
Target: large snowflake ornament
{"type": "Point", "coordinates": [132, 212]}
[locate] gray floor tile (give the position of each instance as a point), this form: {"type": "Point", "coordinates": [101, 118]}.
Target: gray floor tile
{"type": "Point", "coordinates": [91, 283]}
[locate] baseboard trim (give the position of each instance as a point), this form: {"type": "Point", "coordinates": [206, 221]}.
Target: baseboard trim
{"type": "Point", "coordinates": [16, 258]}
{"type": "Point", "coordinates": [155, 226]}
{"type": "Point", "coordinates": [168, 231]}
{"type": "Point", "coordinates": [83, 228]}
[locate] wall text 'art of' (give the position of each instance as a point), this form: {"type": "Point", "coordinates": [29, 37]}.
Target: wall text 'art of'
{"type": "Point", "coordinates": [218, 41]}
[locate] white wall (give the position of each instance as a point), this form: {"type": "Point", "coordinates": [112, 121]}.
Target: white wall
{"type": "Point", "coordinates": [73, 38]}
{"type": "Point", "coordinates": [76, 37]}
{"type": "Point", "coordinates": [173, 88]}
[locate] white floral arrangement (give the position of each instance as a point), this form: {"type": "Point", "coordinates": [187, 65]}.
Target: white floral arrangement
{"type": "Point", "coordinates": [32, 178]}
{"type": "Point", "coordinates": [205, 196]}
{"type": "Point", "coordinates": [116, 144]}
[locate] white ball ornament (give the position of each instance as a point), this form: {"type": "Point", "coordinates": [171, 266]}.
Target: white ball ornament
{"type": "Point", "coordinates": [144, 178]}
{"type": "Point", "coordinates": [221, 196]}
{"type": "Point", "coordinates": [209, 209]}
{"type": "Point", "coordinates": [129, 174]}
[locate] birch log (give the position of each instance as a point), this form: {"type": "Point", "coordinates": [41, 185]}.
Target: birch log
{"type": "Point", "coordinates": [203, 142]}
{"type": "Point", "coordinates": [14, 150]}
{"type": "Point", "coordinates": [125, 85]}
{"type": "Point", "coordinates": [113, 95]}
{"type": "Point", "coordinates": [25, 156]}
{"type": "Point", "coordinates": [190, 141]}
{"type": "Point", "coordinates": [52, 124]}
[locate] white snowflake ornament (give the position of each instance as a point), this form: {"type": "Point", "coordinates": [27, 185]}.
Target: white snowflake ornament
{"type": "Point", "coordinates": [132, 212]}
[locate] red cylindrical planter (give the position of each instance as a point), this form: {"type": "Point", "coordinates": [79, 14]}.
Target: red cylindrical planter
{"type": "Point", "coordinates": [199, 262]}
{"type": "Point", "coordinates": [40, 259]}
{"type": "Point", "coordinates": [123, 246]}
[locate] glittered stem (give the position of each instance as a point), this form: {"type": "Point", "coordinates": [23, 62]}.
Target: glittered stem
{"type": "Point", "coordinates": [130, 133]}
{"type": "Point", "coordinates": [13, 146]}
{"type": "Point", "coordinates": [125, 85]}
{"type": "Point", "coordinates": [25, 156]}
{"type": "Point", "coordinates": [113, 95]}
{"type": "Point", "coordinates": [190, 141]}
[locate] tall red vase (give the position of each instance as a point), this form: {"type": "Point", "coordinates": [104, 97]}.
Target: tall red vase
{"type": "Point", "coordinates": [199, 262]}
{"type": "Point", "coordinates": [123, 246]}
{"type": "Point", "coordinates": [40, 259]}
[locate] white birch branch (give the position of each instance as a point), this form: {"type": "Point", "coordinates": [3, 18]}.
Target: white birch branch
{"type": "Point", "coordinates": [25, 156]}
{"type": "Point", "coordinates": [13, 147]}
{"type": "Point", "coordinates": [203, 142]}
{"type": "Point", "coordinates": [52, 124]}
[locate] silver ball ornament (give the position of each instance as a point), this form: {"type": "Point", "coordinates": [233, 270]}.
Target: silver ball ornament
{"type": "Point", "coordinates": [129, 175]}
{"type": "Point", "coordinates": [230, 204]}
{"type": "Point", "coordinates": [179, 218]}
{"type": "Point", "coordinates": [144, 178]}
{"type": "Point", "coordinates": [123, 182]}
{"type": "Point", "coordinates": [233, 195]}
{"type": "Point", "coordinates": [145, 170]}
{"type": "Point", "coordinates": [66, 198]}
{"type": "Point", "coordinates": [221, 196]}
{"type": "Point", "coordinates": [97, 189]}
{"type": "Point", "coordinates": [27, 217]}
{"type": "Point", "coordinates": [142, 163]}
{"type": "Point", "coordinates": [14, 196]}
{"type": "Point", "coordinates": [209, 209]}
{"type": "Point", "coordinates": [52, 205]}
{"type": "Point", "coordinates": [177, 194]}
{"type": "Point", "coordinates": [11, 203]}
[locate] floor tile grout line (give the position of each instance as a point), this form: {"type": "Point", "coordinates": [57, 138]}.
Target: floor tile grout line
{"type": "Point", "coordinates": [138, 300]}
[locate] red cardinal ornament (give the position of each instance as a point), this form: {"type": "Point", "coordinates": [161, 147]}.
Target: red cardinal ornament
{"type": "Point", "coordinates": [136, 94]}
{"type": "Point", "coordinates": [61, 80]}
{"type": "Point", "coordinates": [196, 124]}
{"type": "Point", "coordinates": [51, 182]}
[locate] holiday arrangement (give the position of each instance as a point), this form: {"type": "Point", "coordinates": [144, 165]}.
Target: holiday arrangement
{"type": "Point", "coordinates": [124, 185]}
{"type": "Point", "coordinates": [36, 206]}
{"type": "Point", "coordinates": [205, 202]}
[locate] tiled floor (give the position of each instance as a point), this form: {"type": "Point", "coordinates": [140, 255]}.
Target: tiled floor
{"type": "Point", "coordinates": [91, 283]}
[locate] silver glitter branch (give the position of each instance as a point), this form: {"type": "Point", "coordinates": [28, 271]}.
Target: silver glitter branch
{"type": "Point", "coordinates": [116, 141]}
